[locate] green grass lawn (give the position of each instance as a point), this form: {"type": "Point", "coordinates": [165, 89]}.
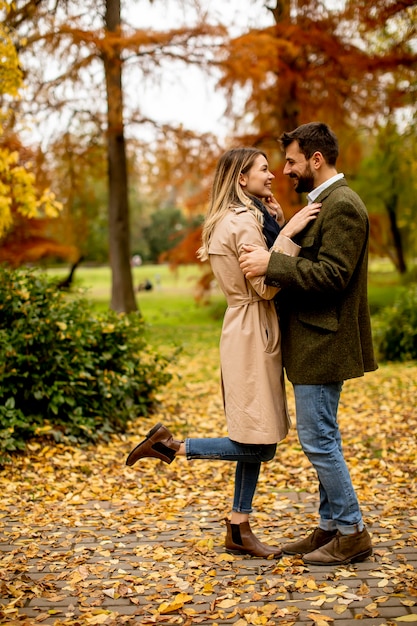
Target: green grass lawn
{"type": "Point", "coordinates": [170, 309]}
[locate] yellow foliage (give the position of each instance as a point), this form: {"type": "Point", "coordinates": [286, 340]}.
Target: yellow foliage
{"type": "Point", "coordinates": [18, 190]}
{"type": "Point", "coordinates": [10, 73]}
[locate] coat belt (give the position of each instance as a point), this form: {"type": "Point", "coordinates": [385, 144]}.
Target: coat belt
{"type": "Point", "coordinates": [234, 301]}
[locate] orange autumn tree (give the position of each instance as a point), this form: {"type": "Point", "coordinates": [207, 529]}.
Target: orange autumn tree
{"type": "Point", "coordinates": [30, 212]}
{"type": "Point", "coordinates": [92, 51]}
{"type": "Point", "coordinates": [347, 66]}
{"type": "Point", "coordinates": [350, 66]}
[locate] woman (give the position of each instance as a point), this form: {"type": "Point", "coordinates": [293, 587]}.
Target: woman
{"type": "Point", "coordinates": [250, 348]}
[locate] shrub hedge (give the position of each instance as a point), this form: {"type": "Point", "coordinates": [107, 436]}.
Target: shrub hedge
{"type": "Point", "coordinates": [66, 372]}
{"type": "Point", "coordinates": [395, 328]}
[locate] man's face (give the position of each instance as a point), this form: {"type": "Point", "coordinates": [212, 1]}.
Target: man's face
{"type": "Point", "coordinates": [298, 169]}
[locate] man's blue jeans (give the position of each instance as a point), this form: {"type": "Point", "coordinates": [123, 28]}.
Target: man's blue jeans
{"type": "Point", "coordinates": [319, 435]}
{"type": "Point", "coordinates": [248, 458]}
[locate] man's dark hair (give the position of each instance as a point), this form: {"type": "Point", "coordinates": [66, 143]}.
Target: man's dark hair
{"type": "Point", "coordinates": [311, 138]}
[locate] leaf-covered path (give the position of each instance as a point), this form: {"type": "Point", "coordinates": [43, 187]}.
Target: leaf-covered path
{"type": "Point", "coordinates": [86, 540]}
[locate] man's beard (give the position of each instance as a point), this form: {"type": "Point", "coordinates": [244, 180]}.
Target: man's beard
{"type": "Point", "coordinates": [305, 181]}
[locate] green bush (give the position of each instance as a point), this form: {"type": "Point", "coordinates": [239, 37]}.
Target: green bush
{"type": "Point", "coordinates": [65, 371]}
{"type": "Point", "coordinates": [395, 328]}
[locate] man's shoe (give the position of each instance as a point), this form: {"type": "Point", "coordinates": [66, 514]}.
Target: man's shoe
{"type": "Point", "coordinates": [342, 549]}
{"type": "Point", "coordinates": [313, 541]}
{"type": "Point", "coordinates": [158, 443]}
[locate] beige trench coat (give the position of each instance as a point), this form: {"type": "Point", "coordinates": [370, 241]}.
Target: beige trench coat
{"type": "Point", "coordinates": [250, 344]}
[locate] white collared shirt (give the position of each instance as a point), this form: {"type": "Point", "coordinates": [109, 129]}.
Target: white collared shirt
{"type": "Point", "coordinates": [311, 197]}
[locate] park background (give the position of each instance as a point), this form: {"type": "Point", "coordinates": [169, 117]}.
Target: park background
{"type": "Point", "coordinates": [104, 186]}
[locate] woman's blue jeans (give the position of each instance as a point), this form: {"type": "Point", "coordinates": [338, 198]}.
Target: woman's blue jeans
{"type": "Point", "coordinates": [248, 458]}
{"type": "Point", "coordinates": [319, 435]}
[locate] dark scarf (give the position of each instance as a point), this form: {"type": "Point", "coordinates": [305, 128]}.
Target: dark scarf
{"type": "Point", "coordinates": [271, 228]}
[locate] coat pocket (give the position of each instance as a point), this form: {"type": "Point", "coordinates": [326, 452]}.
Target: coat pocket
{"type": "Point", "coordinates": [326, 320]}
{"type": "Point", "coordinates": [269, 326]}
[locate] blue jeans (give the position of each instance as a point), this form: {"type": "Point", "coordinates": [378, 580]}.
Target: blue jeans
{"type": "Point", "coordinates": [319, 435]}
{"type": "Point", "coordinates": [248, 458]}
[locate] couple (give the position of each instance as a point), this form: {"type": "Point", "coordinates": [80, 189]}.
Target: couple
{"type": "Point", "coordinates": [317, 264]}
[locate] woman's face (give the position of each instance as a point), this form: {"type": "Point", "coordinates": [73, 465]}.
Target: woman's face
{"type": "Point", "coordinates": [257, 181]}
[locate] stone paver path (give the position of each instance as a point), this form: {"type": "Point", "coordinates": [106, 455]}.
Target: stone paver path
{"type": "Point", "coordinates": [175, 571]}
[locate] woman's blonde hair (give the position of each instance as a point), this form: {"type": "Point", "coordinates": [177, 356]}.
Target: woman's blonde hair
{"type": "Point", "coordinates": [226, 191]}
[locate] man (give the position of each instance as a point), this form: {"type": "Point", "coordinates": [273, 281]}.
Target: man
{"type": "Point", "coordinates": [326, 332]}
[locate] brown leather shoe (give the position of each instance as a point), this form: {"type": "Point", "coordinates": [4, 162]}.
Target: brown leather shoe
{"type": "Point", "coordinates": [159, 444]}
{"type": "Point", "coordinates": [342, 549]}
{"type": "Point", "coordinates": [314, 540]}
{"type": "Point", "coordinates": [241, 540]}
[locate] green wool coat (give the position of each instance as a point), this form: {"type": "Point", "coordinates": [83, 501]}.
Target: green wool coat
{"type": "Point", "coordinates": [324, 313]}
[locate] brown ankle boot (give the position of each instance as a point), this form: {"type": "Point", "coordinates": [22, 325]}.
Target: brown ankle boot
{"type": "Point", "coordinates": [342, 549]}
{"type": "Point", "coordinates": [313, 541]}
{"type": "Point", "coordinates": [158, 444]}
{"type": "Point", "coordinates": [241, 540]}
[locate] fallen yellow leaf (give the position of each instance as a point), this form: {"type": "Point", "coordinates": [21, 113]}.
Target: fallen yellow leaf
{"type": "Point", "coordinates": [226, 604]}
{"type": "Point", "coordinates": [224, 556]}
{"type": "Point", "coordinates": [177, 603]}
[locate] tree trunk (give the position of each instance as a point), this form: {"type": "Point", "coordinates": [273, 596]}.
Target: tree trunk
{"type": "Point", "coordinates": [122, 295]}
{"type": "Point", "coordinates": [281, 11]}
{"type": "Point", "coordinates": [287, 97]}
{"type": "Point", "coordinates": [288, 107]}
{"type": "Point", "coordinates": [391, 207]}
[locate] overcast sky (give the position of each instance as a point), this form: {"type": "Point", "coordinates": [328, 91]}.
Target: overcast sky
{"type": "Point", "coordinates": [189, 95]}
